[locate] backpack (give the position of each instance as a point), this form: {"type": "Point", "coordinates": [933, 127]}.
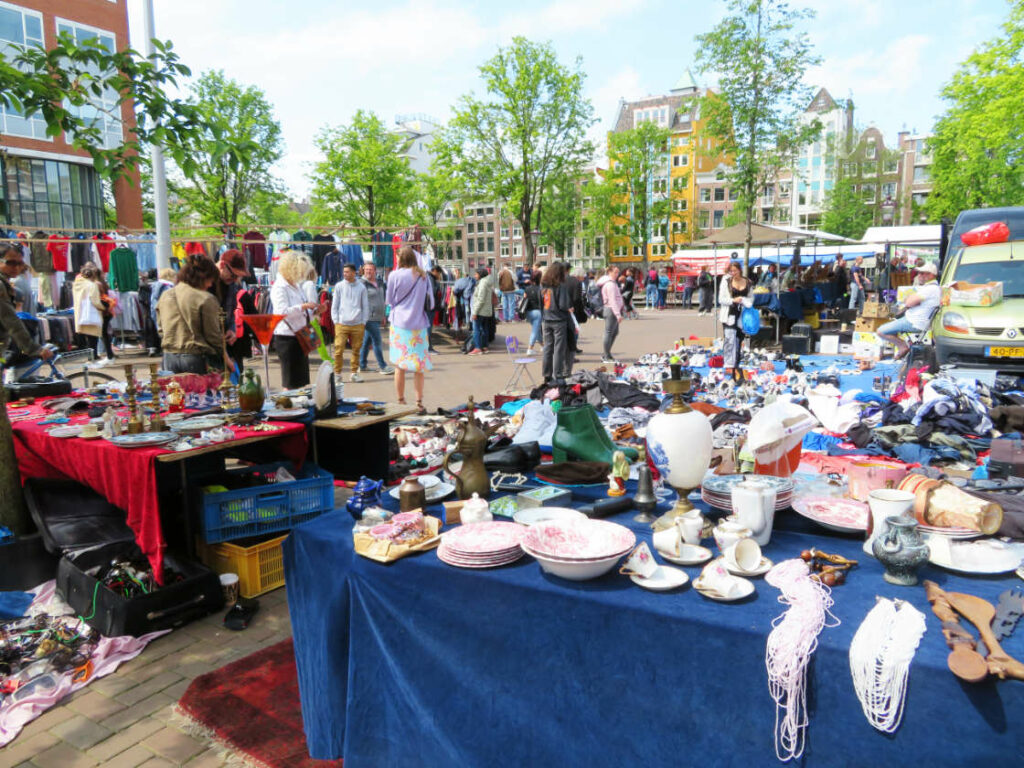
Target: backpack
{"type": "Point", "coordinates": [595, 300]}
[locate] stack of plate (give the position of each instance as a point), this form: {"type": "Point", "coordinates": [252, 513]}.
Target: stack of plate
{"type": "Point", "coordinates": [717, 491]}
{"type": "Point", "coordinates": [482, 545]}
{"type": "Point", "coordinates": [578, 549]}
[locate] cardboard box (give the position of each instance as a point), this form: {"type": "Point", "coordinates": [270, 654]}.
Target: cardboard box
{"type": "Point", "coordinates": [869, 324]}
{"type": "Point", "coordinates": [548, 496]}
{"type": "Point", "coordinates": [866, 337]}
{"type": "Point", "coordinates": [902, 292]}
{"type": "Point", "coordinates": [876, 310]}
{"type": "Point", "coordinates": [384, 551]}
{"type": "Point", "coordinates": [963, 294]}
{"type": "Point", "coordinates": [830, 344]}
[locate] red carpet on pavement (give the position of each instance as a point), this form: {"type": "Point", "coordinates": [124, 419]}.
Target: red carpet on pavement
{"type": "Point", "coordinates": [252, 706]}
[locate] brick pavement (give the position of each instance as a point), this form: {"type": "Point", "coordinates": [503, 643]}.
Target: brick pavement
{"type": "Point", "coordinates": [125, 720]}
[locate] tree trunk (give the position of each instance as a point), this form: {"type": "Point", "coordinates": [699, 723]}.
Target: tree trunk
{"type": "Point", "coordinates": [530, 251]}
{"type": "Point", "coordinates": [13, 514]}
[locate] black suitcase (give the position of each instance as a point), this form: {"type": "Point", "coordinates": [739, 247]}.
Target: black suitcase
{"type": "Point", "coordinates": [89, 533]}
{"type": "Point", "coordinates": [796, 345]}
{"type": "Point", "coordinates": [38, 389]}
{"type": "Point", "coordinates": [25, 563]}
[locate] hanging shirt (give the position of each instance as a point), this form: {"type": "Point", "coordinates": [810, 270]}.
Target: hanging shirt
{"type": "Point", "coordinates": [255, 250]}
{"type": "Point", "coordinates": [380, 239]}
{"type": "Point", "coordinates": [331, 271]}
{"type": "Point", "coordinates": [124, 269]}
{"type": "Point", "coordinates": [302, 237]}
{"type": "Point", "coordinates": [178, 254]}
{"type": "Point", "coordinates": [42, 261]}
{"type": "Point", "coordinates": [352, 254]}
{"type": "Point", "coordinates": [58, 249]}
{"type": "Point", "coordinates": [103, 246]}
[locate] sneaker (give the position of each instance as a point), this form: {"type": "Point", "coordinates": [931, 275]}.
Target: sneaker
{"type": "Point", "coordinates": [387, 371]}
{"type": "Point", "coordinates": [607, 360]}
{"type": "Point", "coordinates": [474, 352]}
{"type": "Point", "coordinates": [355, 377]}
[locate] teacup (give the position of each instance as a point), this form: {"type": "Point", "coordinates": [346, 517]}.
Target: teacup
{"type": "Point", "coordinates": [690, 526]}
{"type": "Point", "coordinates": [728, 532]}
{"type": "Point", "coordinates": [714, 576]}
{"type": "Point", "coordinates": [744, 555]}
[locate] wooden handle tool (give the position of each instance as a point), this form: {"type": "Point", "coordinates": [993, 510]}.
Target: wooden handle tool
{"type": "Point", "coordinates": [963, 661]}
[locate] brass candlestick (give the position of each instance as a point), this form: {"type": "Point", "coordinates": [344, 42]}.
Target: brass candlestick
{"type": "Point", "coordinates": [134, 422]}
{"type": "Point", "coordinates": [156, 424]}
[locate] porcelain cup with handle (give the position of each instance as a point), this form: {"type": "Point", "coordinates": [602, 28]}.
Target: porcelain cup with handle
{"type": "Point", "coordinates": [744, 555]}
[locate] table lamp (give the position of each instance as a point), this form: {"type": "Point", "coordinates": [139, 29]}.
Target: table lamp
{"type": "Point", "coordinates": [679, 443]}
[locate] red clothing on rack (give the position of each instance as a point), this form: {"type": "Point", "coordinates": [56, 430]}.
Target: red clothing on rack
{"type": "Point", "coordinates": [58, 250]}
{"type": "Point", "coordinates": [104, 245]}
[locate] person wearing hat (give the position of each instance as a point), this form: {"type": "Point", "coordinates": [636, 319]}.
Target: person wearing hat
{"type": "Point", "coordinates": [231, 269]}
{"type": "Point", "coordinates": [921, 306]}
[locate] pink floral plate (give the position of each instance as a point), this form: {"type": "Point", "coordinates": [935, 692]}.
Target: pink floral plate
{"type": "Point", "coordinates": [483, 538]}
{"type": "Point", "coordinates": [445, 556]}
{"type": "Point", "coordinates": [843, 515]}
{"type": "Point", "coordinates": [579, 539]}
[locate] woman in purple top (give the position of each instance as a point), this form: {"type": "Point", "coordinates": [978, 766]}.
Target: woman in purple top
{"type": "Point", "coordinates": [410, 299]}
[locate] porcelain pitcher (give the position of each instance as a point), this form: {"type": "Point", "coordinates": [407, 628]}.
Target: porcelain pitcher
{"type": "Point", "coordinates": [753, 504]}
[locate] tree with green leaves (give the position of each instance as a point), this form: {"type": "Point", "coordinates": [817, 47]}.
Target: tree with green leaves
{"type": "Point", "coordinates": [364, 176]}
{"type": "Point", "coordinates": [760, 58]}
{"type": "Point", "coordinates": [845, 212]}
{"type": "Point", "coordinates": [222, 185]}
{"type": "Point", "coordinates": [433, 194]}
{"type": "Point", "coordinates": [978, 146]}
{"type": "Point", "coordinates": [55, 84]}
{"type": "Point", "coordinates": [559, 218]}
{"type": "Point", "coordinates": [630, 203]}
{"type": "Point", "coordinates": [529, 127]}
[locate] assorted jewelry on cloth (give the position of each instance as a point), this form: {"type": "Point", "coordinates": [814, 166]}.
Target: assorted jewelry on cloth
{"type": "Point", "coordinates": [790, 645]}
{"type": "Point", "coordinates": [880, 657]}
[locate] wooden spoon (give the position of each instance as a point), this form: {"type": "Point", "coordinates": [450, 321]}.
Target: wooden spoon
{"type": "Point", "coordinates": [964, 661]}
{"type": "Point", "coordinates": [980, 613]}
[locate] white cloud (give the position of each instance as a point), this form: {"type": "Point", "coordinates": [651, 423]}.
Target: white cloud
{"type": "Point", "coordinates": [850, 14]}
{"type": "Point", "coordinates": [563, 16]}
{"type": "Point", "coordinates": [896, 70]}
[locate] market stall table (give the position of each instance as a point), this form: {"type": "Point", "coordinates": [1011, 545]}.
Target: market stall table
{"type": "Point", "coordinates": [350, 456]}
{"type": "Point", "coordinates": [128, 477]}
{"type": "Point", "coordinates": [421, 663]}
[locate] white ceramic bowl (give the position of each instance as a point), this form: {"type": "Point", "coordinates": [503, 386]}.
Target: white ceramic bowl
{"type": "Point", "coordinates": [575, 571]}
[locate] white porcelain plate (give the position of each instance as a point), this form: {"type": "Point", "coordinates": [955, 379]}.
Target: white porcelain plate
{"type": "Point", "coordinates": [534, 515]}
{"type": "Point", "coordinates": [989, 556]}
{"type": "Point", "coordinates": [746, 590]}
{"type": "Point", "coordinates": [664, 578]}
{"type": "Point", "coordinates": [691, 554]}
{"type": "Point", "coordinates": [762, 568]}
{"type": "Point", "coordinates": [71, 430]}
{"type": "Point", "coordinates": [142, 439]}
{"type": "Point", "coordinates": [287, 413]}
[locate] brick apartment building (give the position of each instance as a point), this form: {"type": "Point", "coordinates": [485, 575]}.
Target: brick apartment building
{"type": "Point", "coordinates": [46, 183]}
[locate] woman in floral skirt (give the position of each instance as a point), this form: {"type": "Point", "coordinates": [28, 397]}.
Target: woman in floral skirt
{"type": "Point", "coordinates": [411, 301]}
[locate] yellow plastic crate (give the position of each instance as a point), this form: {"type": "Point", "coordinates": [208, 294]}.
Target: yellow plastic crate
{"type": "Point", "coordinates": [260, 568]}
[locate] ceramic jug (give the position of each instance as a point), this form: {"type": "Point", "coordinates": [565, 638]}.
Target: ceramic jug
{"type": "Point", "coordinates": [472, 477]}
{"type": "Point", "coordinates": [753, 504]}
{"type": "Point", "coordinates": [365, 494]}
{"type": "Point", "coordinates": [250, 392]}
{"type": "Point", "coordinates": [901, 550]}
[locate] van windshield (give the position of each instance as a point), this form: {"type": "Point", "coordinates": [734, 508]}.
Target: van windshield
{"type": "Point", "coordinates": [1009, 273]}
{"type": "Point", "coordinates": [1014, 219]}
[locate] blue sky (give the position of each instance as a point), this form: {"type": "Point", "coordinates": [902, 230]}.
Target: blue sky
{"type": "Point", "coordinates": [320, 60]}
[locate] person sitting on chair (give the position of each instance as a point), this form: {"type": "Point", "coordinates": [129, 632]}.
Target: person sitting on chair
{"type": "Point", "coordinates": [921, 305]}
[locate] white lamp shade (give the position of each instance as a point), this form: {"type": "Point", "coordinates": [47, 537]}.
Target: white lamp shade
{"type": "Point", "coordinates": [679, 445]}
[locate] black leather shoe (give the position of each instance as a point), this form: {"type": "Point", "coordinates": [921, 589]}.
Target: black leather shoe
{"type": "Point", "coordinates": [513, 458]}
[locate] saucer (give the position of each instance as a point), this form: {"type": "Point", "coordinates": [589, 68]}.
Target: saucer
{"type": "Point", "coordinates": [747, 591]}
{"type": "Point", "coordinates": [691, 555]}
{"type": "Point", "coordinates": [664, 578]}
{"type": "Point", "coordinates": [762, 568]}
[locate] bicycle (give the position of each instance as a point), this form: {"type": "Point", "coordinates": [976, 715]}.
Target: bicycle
{"type": "Point", "coordinates": [25, 372]}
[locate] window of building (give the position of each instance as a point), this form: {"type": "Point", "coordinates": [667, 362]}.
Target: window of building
{"type": "Point", "coordinates": [889, 189]}
{"type": "Point", "coordinates": [870, 169]}
{"type": "Point", "coordinates": [50, 193]}
{"type": "Point", "coordinates": [490, 245]}
{"type": "Point", "coordinates": [517, 231]}
{"type": "Point", "coordinates": [705, 218]}
{"type": "Point", "coordinates": [638, 250]}
{"type": "Point", "coordinates": [517, 250]}
{"type": "Point", "coordinates": [621, 250]}
{"type": "Point", "coordinates": [718, 220]}
{"type": "Point", "coordinates": [480, 245]}
{"type": "Point", "coordinates": [659, 250]}
{"type": "Point", "coordinates": [490, 210]}
{"type": "Point", "coordinates": [458, 252]}
{"type": "Point", "coordinates": [504, 233]}
{"type": "Point", "coordinates": [734, 194]}
{"type": "Point", "coordinates": [504, 251]}
{"type": "Point", "coordinates": [471, 245]}
{"type": "Point", "coordinates": [784, 190]}
{"type": "Point", "coordinates": [542, 250]}
{"type": "Point", "coordinates": [104, 110]}
{"type": "Point", "coordinates": [891, 166]}
{"type": "Point", "coordinates": [447, 213]}
{"type": "Point", "coordinates": [680, 161]}
{"type": "Point", "coordinates": [921, 173]}
{"type": "Point", "coordinates": [720, 176]}
{"type": "Point", "coordinates": [719, 194]}
{"type": "Point", "coordinates": [870, 150]}
{"type": "Point", "coordinates": [18, 29]}
{"type": "Point", "coordinates": [705, 195]}
{"type": "Point", "coordinates": [678, 226]}
{"type": "Point", "coordinates": [679, 183]}
{"type": "Point", "coordinates": [660, 186]}
{"type": "Point", "coordinates": [471, 227]}
{"type": "Point", "coordinates": [867, 191]}
{"type": "Point", "coordinates": [490, 226]}
{"type": "Point", "coordinates": [815, 197]}
{"type": "Point", "coordinates": [679, 205]}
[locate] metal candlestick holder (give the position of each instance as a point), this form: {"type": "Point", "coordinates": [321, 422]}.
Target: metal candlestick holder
{"type": "Point", "coordinates": [644, 499]}
{"type": "Point", "coordinates": [134, 422]}
{"type": "Point", "coordinates": [156, 423]}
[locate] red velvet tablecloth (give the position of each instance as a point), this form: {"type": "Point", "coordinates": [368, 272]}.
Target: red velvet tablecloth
{"type": "Point", "coordinates": [126, 477]}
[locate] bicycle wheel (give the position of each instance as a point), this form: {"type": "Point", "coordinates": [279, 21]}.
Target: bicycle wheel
{"type": "Point", "coordinates": [86, 379]}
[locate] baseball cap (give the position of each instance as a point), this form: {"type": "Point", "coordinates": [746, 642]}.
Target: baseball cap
{"type": "Point", "coordinates": [929, 267]}
{"type": "Point", "coordinates": [235, 261]}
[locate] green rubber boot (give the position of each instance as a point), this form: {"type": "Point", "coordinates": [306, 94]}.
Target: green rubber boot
{"type": "Point", "coordinates": [580, 435]}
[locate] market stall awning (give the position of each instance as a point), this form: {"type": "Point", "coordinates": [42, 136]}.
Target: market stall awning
{"type": "Point", "coordinates": [737, 235]}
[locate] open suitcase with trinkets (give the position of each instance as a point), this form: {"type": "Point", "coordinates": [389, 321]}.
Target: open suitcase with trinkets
{"type": "Point", "coordinates": [104, 576]}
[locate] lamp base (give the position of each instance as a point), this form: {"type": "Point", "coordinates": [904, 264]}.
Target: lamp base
{"type": "Point", "coordinates": [680, 508]}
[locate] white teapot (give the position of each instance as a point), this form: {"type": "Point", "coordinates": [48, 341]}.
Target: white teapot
{"type": "Point", "coordinates": [476, 510]}
{"type": "Point", "coordinates": [753, 505]}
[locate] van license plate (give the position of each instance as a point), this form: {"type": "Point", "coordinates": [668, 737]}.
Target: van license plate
{"type": "Point", "coordinates": [1004, 351]}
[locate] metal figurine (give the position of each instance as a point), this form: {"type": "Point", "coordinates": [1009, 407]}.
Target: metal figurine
{"type": "Point", "coordinates": [134, 422]}
{"type": "Point", "coordinates": [156, 423]}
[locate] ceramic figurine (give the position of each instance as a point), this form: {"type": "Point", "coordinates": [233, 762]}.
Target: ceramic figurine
{"type": "Point", "coordinates": [901, 550]}
{"type": "Point", "coordinates": [365, 494]}
{"type": "Point", "coordinates": [619, 474]}
{"type": "Point", "coordinates": [175, 398]}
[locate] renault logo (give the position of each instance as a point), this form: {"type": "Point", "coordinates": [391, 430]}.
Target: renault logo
{"type": "Point", "coordinates": [1012, 333]}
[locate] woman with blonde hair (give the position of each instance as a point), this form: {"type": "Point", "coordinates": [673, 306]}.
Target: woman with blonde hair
{"type": "Point", "coordinates": [411, 300]}
{"type": "Point", "coordinates": [88, 305]}
{"type": "Point", "coordinates": [287, 299]}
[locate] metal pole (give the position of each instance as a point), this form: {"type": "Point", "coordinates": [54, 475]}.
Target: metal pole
{"type": "Point", "coordinates": [160, 213]}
